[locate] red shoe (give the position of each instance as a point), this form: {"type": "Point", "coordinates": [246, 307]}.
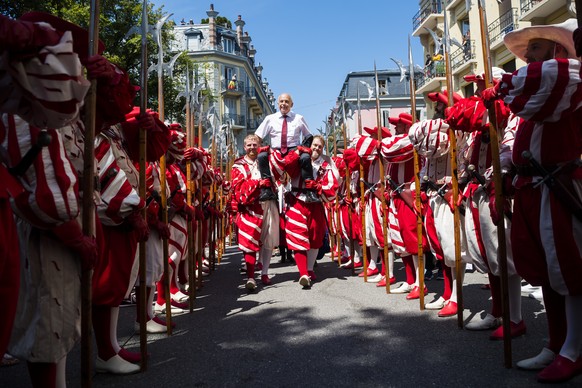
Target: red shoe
{"type": "Point", "coordinates": [382, 282]}
{"type": "Point", "coordinates": [393, 280]}
{"type": "Point", "coordinates": [517, 329]}
{"type": "Point", "coordinates": [415, 293]}
{"type": "Point", "coordinates": [561, 369]}
{"type": "Point", "coordinates": [265, 280]}
{"type": "Point", "coordinates": [371, 272]}
{"type": "Point", "coordinates": [449, 310]}
{"type": "Point", "coordinates": [162, 322]}
{"type": "Point", "coordinates": [259, 267]}
{"type": "Point", "coordinates": [359, 264]}
{"type": "Point", "coordinates": [128, 356]}
{"type": "Point", "coordinates": [311, 275]}
{"type": "Point", "coordinates": [345, 260]}
{"type": "Point", "coordinates": [180, 305]}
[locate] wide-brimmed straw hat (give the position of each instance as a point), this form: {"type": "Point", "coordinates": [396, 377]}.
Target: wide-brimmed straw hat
{"type": "Point", "coordinates": [516, 41]}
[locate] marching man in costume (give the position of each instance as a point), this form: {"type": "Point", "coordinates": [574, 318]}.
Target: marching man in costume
{"type": "Point", "coordinates": [547, 215]}
{"type": "Point", "coordinates": [257, 222]}
{"type": "Point", "coordinates": [481, 215]}
{"type": "Point", "coordinates": [305, 223]}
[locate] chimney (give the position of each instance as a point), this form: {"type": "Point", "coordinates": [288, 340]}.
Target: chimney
{"type": "Point", "coordinates": [239, 30]}
{"type": "Point", "coordinates": [212, 25]}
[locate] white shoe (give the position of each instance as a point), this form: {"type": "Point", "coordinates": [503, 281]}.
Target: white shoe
{"type": "Point", "coordinates": [116, 365]}
{"type": "Point", "coordinates": [538, 362]}
{"type": "Point", "coordinates": [537, 294]}
{"type": "Point", "coordinates": [487, 323]}
{"type": "Point", "coordinates": [436, 305]}
{"type": "Point", "coordinates": [305, 281]}
{"type": "Point", "coordinates": [161, 309]}
{"type": "Point", "coordinates": [152, 327]}
{"type": "Point", "coordinates": [251, 284]}
{"type": "Point", "coordinates": [528, 289]}
{"type": "Point", "coordinates": [375, 279]}
{"type": "Point", "coordinates": [180, 297]}
{"type": "Point", "coordinates": [404, 288]}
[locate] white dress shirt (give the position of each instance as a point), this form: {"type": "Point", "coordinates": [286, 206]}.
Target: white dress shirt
{"type": "Point", "coordinates": [272, 125]}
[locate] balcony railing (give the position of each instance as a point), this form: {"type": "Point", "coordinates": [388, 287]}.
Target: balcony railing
{"type": "Point", "coordinates": [526, 5]}
{"type": "Point", "coordinates": [234, 119]}
{"type": "Point", "coordinates": [463, 54]}
{"type": "Point", "coordinates": [239, 86]}
{"type": "Point", "coordinates": [253, 124]}
{"type": "Point", "coordinates": [433, 70]}
{"type": "Point", "coordinates": [433, 7]}
{"type": "Point", "coordinates": [506, 23]}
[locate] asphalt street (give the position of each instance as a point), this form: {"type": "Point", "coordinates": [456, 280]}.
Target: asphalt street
{"type": "Point", "coordinates": [340, 333]}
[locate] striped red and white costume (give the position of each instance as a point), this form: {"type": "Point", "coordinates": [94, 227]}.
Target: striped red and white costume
{"type": "Point", "coordinates": [398, 151]}
{"type": "Point", "coordinates": [46, 326]}
{"type": "Point", "coordinates": [257, 222]}
{"type": "Point", "coordinates": [431, 140]}
{"type": "Point", "coordinates": [119, 184]}
{"type": "Point", "coordinates": [305, 223]}
{"type": "Point", "coordinates": [367, 148]}
{"type": "Point", "coordinates": [480, 230]}
{"type": "Point", "coordinates": [545, 235]}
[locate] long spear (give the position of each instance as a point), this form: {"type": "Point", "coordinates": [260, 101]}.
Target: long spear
{"type": "Point", "coordinates": [419, 223]}
{"type": "Point", "coordinates": [88, 204]}
{"type": "Point", "coordinates": [332, 241]}
{"type": "Point", "coordinates": [382, 187]}
{"type": "Point", "coordinates": [163, 181]}
{"type": "Point", "coordinates": [496, 163]}
{"type": "Point", "coordinates": [142, 186]}
{"type": "Point", "coordinates": [454, 179]}
{"type": "Point", "coordinates": [201, 241]}
{"type": "Point", "coordinates": [348, 185]}
{"type": "Point", "coordinates": [189, 191]}
{"type": "Point", "coordinates": [363, 192]}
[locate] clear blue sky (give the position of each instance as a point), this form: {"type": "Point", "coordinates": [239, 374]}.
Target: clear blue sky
{"type": "Point", "coordinates": [308, 47]}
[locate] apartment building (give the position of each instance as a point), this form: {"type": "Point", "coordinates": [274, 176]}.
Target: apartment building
{"type": "Point", "coordinates": [226, 60]}
{"type": "Point", "coordinates": [466, 48]}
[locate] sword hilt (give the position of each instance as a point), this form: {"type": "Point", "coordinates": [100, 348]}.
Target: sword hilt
{"type": "Point", "coordinates": [473, 171]}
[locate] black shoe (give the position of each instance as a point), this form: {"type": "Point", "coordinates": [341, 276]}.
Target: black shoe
{"type": "Point", "coordinates": [267, 194]}
{"type": "Point", "coordinates": [428, 275]}
{"type": "Point", "coordinates": [311, 197]}
{"type": "Point", "coordinates": [440, 275]}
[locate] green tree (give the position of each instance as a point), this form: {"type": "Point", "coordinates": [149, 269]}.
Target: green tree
{"type": "Point", "coordinates": [117, 17]}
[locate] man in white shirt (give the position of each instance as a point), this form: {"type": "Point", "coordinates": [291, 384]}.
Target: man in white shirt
{"type": "Point", "coordinates": [284, 130]}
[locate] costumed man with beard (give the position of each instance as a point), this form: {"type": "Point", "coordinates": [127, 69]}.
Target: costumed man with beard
{"type": "Point", "coordinates": [397, 150]}
{"type": "Point", "coordinates": [481, 218]}
{"type": "Point", "coordinates": [431, 140]}
{"type": "Point", "coordinates": [305, 223]}
{"type": "Point", "coordinates": [52, 246]}
{"type": "Point", "coordinates": [257, 221]}
{"type": "Point", "coordinates": [547, 213]}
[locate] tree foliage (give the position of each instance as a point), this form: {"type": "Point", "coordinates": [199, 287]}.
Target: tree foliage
{"type": "Point", "coordinates": [123, 46]}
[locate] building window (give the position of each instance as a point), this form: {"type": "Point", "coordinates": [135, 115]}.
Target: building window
{"type": "Point", "coordinates": [193, 43]}
{"type": "Point", "coordinates": [228, 45]}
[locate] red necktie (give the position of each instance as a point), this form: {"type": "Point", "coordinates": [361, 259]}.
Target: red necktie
{"type": "Point", "coordinates": [284, 135]}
